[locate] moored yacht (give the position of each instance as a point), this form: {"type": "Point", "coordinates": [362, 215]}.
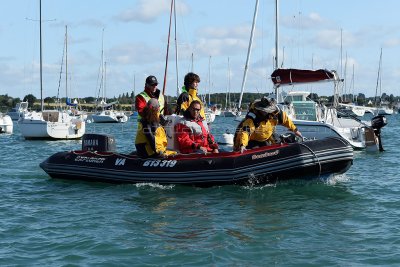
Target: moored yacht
{"type": "Point", "coordinates": [19, 111]}
{"type": "Point", "coordinates": [51, 124]}
{"type": "Point", "coordinates": [316, 121]}
{"type": "Point", "coordinates": [108, 115]}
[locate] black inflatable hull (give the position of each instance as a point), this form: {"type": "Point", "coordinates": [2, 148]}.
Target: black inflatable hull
{"type": "Point", "coordinates": [311, 159]}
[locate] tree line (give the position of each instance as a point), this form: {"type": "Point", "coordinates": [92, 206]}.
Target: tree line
{"type": "Point", "coordinates": [126, 100]}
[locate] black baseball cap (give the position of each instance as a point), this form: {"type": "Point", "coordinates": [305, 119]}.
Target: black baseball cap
{"type": "Point", "coordinates": [151, 80]}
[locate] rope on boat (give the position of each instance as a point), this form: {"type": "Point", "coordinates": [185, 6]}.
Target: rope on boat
{"type": "Point", "coordinates": [319, 163]}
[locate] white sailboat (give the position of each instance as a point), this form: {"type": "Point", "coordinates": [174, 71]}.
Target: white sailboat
{"type": "Point", "coordinates": [380, 109]}
{"type": "Point", "coordinates": [210, 113]}
{"type": "Point", "coordinates": [106, 112]}
{"type": "Point", "coordinates": [49, 124]}
{"type": "Point", "coordinates": [228, 111]}
{"type": "Point", "coordinates": [351, 108]}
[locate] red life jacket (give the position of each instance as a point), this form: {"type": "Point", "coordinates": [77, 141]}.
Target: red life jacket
{"type": "Point", "coordinates": [192, 134]}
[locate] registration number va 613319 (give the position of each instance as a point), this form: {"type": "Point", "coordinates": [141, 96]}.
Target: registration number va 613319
{"type": "Point", "coordinates": [159, 163]}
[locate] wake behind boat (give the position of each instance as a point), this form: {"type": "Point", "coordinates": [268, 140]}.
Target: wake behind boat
{"type": "Point", "coordinates": [306, 160]}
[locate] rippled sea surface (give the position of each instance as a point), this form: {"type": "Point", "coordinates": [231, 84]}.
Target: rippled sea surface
{"type": "Point", "coordinates": [350, 220]}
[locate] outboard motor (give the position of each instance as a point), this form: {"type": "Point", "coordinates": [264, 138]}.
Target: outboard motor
{"type": "Point", "coordinates": [98, 142]}
{"type": "Point", "coordinates": [377, 123]}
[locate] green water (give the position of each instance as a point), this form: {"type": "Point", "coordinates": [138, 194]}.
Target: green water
{"type": "Point", "coordinates": [350, 220]}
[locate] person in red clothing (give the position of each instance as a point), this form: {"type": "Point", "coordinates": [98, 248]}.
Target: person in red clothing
{"type": "Point", "coordinates": [192, 132]}
{"type": "Point", "coordinates": [150, 91]}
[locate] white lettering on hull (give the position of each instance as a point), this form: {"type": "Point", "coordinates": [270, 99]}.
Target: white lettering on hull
{"type": "Point", "coordinates": [160, 163]}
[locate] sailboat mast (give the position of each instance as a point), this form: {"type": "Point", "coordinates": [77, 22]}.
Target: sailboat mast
{"type": "Point", "coordinates": [276, 43]}
{"type": "Point", "coordinates": [176, 56]}
{"type": "Point", "coordinates": [105, 81]}
{"type": "Point", "coordinates": [41, 57]}
{"type": "Point", "coordinates": [166, 57]}
{"type": "Point", "coordinates": [227, 89]}
{"type": "Point", "coordinates": [378, 79]}
{"type": "Point", "coordinates": [229, 84]}
{"type": "Point", "coordinates": [276, 33]}
{"type": "Point", "coordinates": [246, 67]}
{"type": "Point", "coordinates": [209, 80]}
{"type": "Point", "coordinates": [352, 86]}
{"type": "Point", "coordinates": [344, 92]}
{"type": "Point", "coordinates": [191, 60]}
{"type": "Point", "coordinates": [66, 61]}
{"type": "Point", "coordinates": [134, 84]}
{"type": "Point", "coordinates": [102, 66]}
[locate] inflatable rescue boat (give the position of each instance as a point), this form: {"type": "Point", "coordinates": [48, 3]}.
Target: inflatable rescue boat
{"type": "Point", "coordinates": [97, 161]}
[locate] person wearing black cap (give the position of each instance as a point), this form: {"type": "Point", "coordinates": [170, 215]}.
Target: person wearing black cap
{"type": "Point", "coordinates": [258, 127]}
{"type": "Point", "coordinates": [150, 91]}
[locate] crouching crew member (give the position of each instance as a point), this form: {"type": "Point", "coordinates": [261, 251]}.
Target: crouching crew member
{"type": "Point", "coordinates": [258, 128]}
{"type": "Point", "coordinates": [151, 139]}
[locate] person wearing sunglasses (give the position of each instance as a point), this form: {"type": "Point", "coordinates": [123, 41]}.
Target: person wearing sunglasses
{"type": "Point", "coordinates": [151, 139]}
{"type": "Point", "coordinates": [258, 127]}
{"type": "Point", "coordinates": [192, 132]}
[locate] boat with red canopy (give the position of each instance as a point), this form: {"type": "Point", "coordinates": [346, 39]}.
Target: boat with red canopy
{"type": "Point", "coordinates": [316, 120]}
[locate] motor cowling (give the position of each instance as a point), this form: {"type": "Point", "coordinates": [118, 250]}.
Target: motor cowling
{"type": "Point", "coordinates": [378, 122]}
{"type": "Point", "coordinates": [98, 142]}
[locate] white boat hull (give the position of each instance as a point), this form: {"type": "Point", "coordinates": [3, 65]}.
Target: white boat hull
{"type": "Point", "coordinates": [109, 117]}
{"type": "Point", "coordinates": [210, 117]}
{"type": "Point", "coordinates": [6, 124]}
{"type": "Point", "coordinates": [228, 113]}
{"type": "Point", "coordinates": [35, 127]}
{"type": "Point", "coordinates": [359, 136]}
{"type": "Point", "coordinates": [227, 139]}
